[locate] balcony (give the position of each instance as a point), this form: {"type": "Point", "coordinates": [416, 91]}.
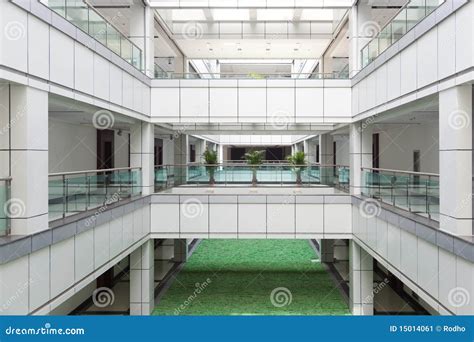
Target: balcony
{"type": "Point", "coordinates": [242, 175]}
{"type": "Point", "coordinates": [405, 20]}
{"type": "Point", "coordinates": [75, 192]}
{"type": "Point", "coordinates": [411, 191]}
{"type": "Point", "coordinates": [86, 18]}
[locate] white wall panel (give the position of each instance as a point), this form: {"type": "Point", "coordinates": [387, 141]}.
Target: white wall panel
{"type": "Point", "coordinates": [224, 105]}
{"type": "Point", "coordinates": [309, 103]}
{"type": "Point", "coordinates": [13, 37]}
{"type": "Point", "coordinates": [337, 103]}
{"type": "Point", "coordinates": [408, 69]}
{"type": "Point", "coordinates": [84, 69]}
{"type": "Point", "coordinates": [101, 78]}
{"type": "Point", "coordinates": [252, 218]}
{"type": "Point", "coordinates": [427, 58]}
{"type": "Point", "coordinates": [116, 86]}
{"type": "Point", "coordinates": [116, 237]}
{"type": "Point", "coordinates": [165, 218]}
{"type": "Point", "coordinates": [101, 245]}
{"type": "Point", "coordinates": [84, 254]}
{"type": "Point", "coordinates": [464, 38]}
{"type": "Point", "coordinates": [62, 60]}
{"type": "Point", "coordinates": [309, 218]}
{"type": "Point", "coordinates": [39, 278]}
{"type": "Point", "coordinates": [446, 45]}
{"type": "Point", "coordinates": [252, 104]}
{"type": "Point", "coordinates": [381, 84]}
{"type": "Point", "coordinates": [393, 77]}
{"type": "Point", "coordinates": [12, 301]}
{"type": "Point", "coordinates": [334, 219]}
{"type": "Point", "coordinates": [428, 271]}
{"type": "Point", "coordinates": [165, 102]}
{"type": "Point", "coordinates": [281, 103]}
{"type": "Point", "coordinates": [62, 266]}
{"type": "Point", "coordinates": [195, 104]}
{"type": "Point", "coordinates": [223, 218]}
{"type": "Point", "coordinates": [38, 43]}
{"type": "Point", "coordinates": [281, 218]}
{"type": "Point", "coordinates": [127, 90]}
{"type": "Point", "coordinates": [138, 89]}
{"type": "Point", "coordinates": [409, 250]}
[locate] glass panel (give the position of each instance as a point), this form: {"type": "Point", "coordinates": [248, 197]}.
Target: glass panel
{"type": "Point", "coordinates": [113, 39]}
{"type": "Point", "coordinates": [399, 26]}
{"type": "Point", "coordinates": [58, 6]}
{"type": "Point", "coordinates": [385, 38]}
{"type": "Point", "coordinates": [365, 56]}
{"type": "Point", "coordinates": [97, 27]}
{"type": "Point", "coordinates": [137, 57]}
{"type": "Point", "coordinates": [78, 14]}
{"type": "Point", "coordinates": [126, 50]}
{"type": "Point", "coordinates": [373, 50]}
{"type": "Point", "coordinates": [431, 5]}
{"type": "Point", "coordinates": [415, 12]}
{"type": "Point", "coordinates": [4, 194]}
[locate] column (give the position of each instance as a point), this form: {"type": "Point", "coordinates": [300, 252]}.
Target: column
{"type": "Point", "coordinates": [180, 250]}
{"type": "Point", "coordinates": [142, 143]}
{"type": "Point", "coordinates": [142, 34]}
{"type": "Point", "coordinates": [181, 148]}
{"type": "Point", "coordinates": [361, 29]}
{"type": "Point", "coordinates": [326, 156]}
{"type": "Point", "coordinates": [24, 156]}
{"type": "Point", "coordinates": [360, 153]}
{"type": "Point", "coordinates": [220, 153]}
{"type": "Point", "coordinates": [327, 250]}
{"type": "Point", "coordinates": [142, 280]}
{"type": "Point", "coordinates": [455, 160]}
{"type": "Point", "coordinates": [361, 279]}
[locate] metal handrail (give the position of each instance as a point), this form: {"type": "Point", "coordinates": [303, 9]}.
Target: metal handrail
{"type": "Point", "coordinates": [247, 165]}
{"type": "Point", "coordinates": [402, 171]}
{"type": "Point", "coordinates": [389, 22]}
{"type": "Point", "coordinates": [92, 171]}
{"type": "Point", "coordinates": [256, 75]}
{"type": "Point", "coordinates": [6, 179]}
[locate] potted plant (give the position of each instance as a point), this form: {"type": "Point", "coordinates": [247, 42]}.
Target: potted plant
{"type": "Point", "coordinates": [210, 160]}
{"type": "Point", "coordinates": [254, 159]}
{"type": "Point", "coordinates": [298, 163]}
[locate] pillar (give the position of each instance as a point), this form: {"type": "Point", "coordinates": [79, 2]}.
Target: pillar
{"type": "Point", "coordinates": [360, 153]}
{"type": "Point", "coordinates": [455, 159]}
{"type": "Point", "coordinates": [327, 250]}
{"type": "Point", "coordinates": [142, 143]}
{"type": "Point", "coordinates": [181, 148]}
{"type": "Point", "coordinates": [24, 156]}
{"type": "Point", "coordinates": [361, 29]}
{"type": "Point", "coordinates": [361, 279]}
{"type": "Point", "coordinates": [326, 157]}
{"type": "Point", "coordinates": [142, 34]}
{"type": "Point", "coordinates": [180, 250]}
{"type": "Point", "coordinates": [220, 153]}
{"type": "Point", "coordinates": [142, 280]}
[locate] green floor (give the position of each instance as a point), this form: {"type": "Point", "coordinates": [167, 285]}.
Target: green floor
{"type": "Point", "coordinates": [237, 277]}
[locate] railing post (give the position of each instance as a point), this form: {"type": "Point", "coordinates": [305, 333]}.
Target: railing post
{"type": "Point", "coordinates": [88, 195]}
{"type": "Point", "coordinates": [65, 195]}
{"type": "Point", "coordinates": [427, 198]}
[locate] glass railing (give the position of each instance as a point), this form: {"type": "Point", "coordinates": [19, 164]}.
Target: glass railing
{"type": "Point", "coordinates": [412, 191]}
{"type": "Point", "coordinates": [407, 18]}
{"type": "Point", "coordinates": [238, 174]}
{"type": "Point", "coordinates": [4, 206]}
{"type": "Point", "coordinates": [253, 76]}
{"type": "Point", "coordinates": [86, 18]}
{"type": "Point", "coordinates": [74, 192]}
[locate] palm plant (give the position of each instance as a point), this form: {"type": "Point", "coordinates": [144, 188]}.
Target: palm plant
{"type": "Point", "coordinates": [210, 159]}
{"type": "Point", "coordinates": [254, 159]}
{"type": "Point", "coordinates": [298, 163]}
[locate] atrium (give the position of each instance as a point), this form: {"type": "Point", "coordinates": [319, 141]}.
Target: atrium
{"type": "Point", "coordinates": [236, 157]}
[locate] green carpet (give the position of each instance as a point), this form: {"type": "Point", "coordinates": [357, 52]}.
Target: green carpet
{"type": "Point", "coordinates": [252, 277]}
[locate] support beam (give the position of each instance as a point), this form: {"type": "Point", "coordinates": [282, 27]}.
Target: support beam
{"type": "Point", "coordinates": [326, 157]}
{"type": "Point", "coordinates": [142, 280]}
{"type": "Point", "coordinates": [24, 114]}
{"type": "Point", "coordinates": [360, 153]}
{"type": "Point", "coordinates": [180, 250]}
{"type": "Point", "coordinates": [142, 142]}
{"type": "Point", "coordinates": [181, 158]}
{"type": "Point", "coordinates": [455, 159]}
{"type": "Point", "coordinates": [361, 279]}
